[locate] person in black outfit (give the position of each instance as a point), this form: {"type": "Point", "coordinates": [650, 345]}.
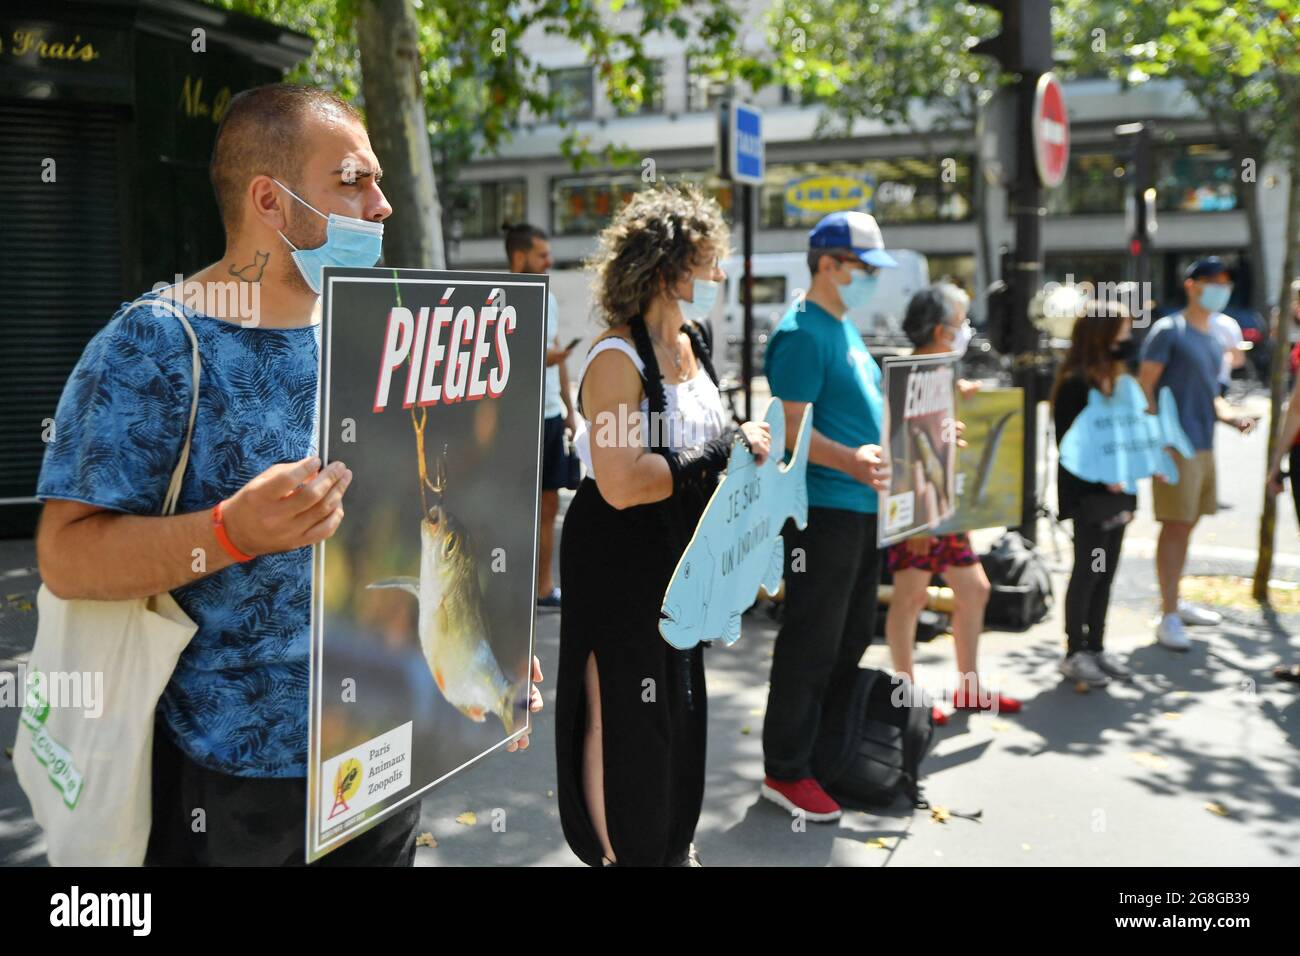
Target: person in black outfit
{"type": "Point", "coordinates": [1101, 345]}
{"type": "Point", "coordinates": [631, 710]}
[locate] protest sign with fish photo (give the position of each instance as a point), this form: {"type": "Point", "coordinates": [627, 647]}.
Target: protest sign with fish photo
{"type": "Point", "coordinates": [423, 600]}
{"type": "Point", "coordinates": [919, 434]}
{"type": "Point", "coordinates": [989, 476]}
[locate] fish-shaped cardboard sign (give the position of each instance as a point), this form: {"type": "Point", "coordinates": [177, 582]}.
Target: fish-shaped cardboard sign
{"type": "Point", "coordinates": [737, 546]}
{"type": "Point", "coordinates": [1114, 440]}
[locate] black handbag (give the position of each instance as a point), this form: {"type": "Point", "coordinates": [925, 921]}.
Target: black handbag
{"type": "Point", "coordinates": [572, 465]}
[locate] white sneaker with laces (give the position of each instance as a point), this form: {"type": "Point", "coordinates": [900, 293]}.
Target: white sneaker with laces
{"type": "Point", "coordinates": [1170, 633]}
{"type": "Point", "coordinates": [1191, 614]}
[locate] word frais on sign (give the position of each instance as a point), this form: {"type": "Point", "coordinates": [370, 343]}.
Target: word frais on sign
{"type": "Point", "coordinates": [449, 370]}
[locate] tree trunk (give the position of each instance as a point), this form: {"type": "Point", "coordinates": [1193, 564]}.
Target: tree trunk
{"type": "Point", "coordinates": [387, 35]}
{"type": "Point", "coordinates": [1249, 149]}
{"type": "Point", "coordinates": [1278, 367]}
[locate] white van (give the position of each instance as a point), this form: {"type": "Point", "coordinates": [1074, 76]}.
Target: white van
{"type": "Point", "coordinates": [780, 277]}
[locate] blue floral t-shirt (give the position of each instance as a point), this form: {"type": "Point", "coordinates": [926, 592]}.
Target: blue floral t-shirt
{"type": "Point", "coordinates": [237, 701]}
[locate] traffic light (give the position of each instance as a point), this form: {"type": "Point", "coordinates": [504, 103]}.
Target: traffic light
{"type": "Point", "coordinates": [1025, 43]}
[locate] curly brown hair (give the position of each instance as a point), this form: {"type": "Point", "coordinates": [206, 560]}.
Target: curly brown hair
{"type": "Point", "coordinates": [651, 243]}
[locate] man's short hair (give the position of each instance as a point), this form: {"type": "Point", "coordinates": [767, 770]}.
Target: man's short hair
{"type": "Point", "coordinates": [262, 135]}
{"type": "Point", "coordinates": [815, 256]}
{"type": "Point", "coordinates": [520, 236]}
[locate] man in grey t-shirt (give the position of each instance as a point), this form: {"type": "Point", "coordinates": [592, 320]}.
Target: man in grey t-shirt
{"type": "Point", "coordinates": [1182, 353]}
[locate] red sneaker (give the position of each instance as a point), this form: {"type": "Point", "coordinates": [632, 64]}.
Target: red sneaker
{"type": "Point", "coordinates": [940, 718]}
{"type": "Point", "coordinates": [804, 796]}
{"type": "Point", "coordinates": [996, 703]}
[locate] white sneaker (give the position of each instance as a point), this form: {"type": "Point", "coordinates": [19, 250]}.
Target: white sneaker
{"type": "Point", "coordinates": [1082, 666]}
{"type": "Point", "coordinates": [1191, 614]}
{"type": "Point", "coordinates": [1112, 665]}
{"type": "Point", "coordinates": [1170, 633]}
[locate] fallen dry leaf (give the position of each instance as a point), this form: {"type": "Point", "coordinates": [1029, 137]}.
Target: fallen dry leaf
{"type": "Point", "coordinates": [939, 814]}
{"type": "Point", "coordinates": [426, 839]}
{"type": "Point", "coordinates": [877, 844]}
{"type": "Point", "coordinates": [1149, 760]}
{"type": "Point", "coordinates": [468, 818]}
{"type": "Point", "coordinates": [1171, 715]}
{"type": "Point", "coordinates": [1081, 687]}
{"type": "Point", "coordinates": [745, 731]}
{"type": "Point", "coordinates": [1218, 809]}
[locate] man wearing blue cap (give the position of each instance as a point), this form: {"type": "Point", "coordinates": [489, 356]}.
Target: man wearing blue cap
{"type": "Point", "coordinates": [1182, 352]}
{"type": "Point", "coordinates": [833, 566]}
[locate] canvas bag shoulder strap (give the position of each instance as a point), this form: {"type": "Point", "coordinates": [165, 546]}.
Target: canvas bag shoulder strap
{"type": "Point", "coordinates": [174, 487]}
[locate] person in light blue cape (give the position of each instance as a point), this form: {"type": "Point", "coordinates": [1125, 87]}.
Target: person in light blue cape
{"type": "Point", "coordinates": [1090, 483]}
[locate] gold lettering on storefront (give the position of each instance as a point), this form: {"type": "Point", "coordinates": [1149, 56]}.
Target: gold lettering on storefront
{"type": "Point", "coordinates": [193, 105]}
{"type": "Point", "coordinates": [25, 42]}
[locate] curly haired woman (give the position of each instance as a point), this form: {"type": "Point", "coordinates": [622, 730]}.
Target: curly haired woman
{"type": "Point", "coordinates": [630, 709]}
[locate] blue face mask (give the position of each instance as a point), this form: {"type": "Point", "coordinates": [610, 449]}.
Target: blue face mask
{"type": "Point", "coordinates": [350, 243]}
{"type": "Point", "coordinates": [699, 308]}
{"type": "Point", "coordinates": [859, 291]}
{"type": "Point", "coordinates": [1214, 298]}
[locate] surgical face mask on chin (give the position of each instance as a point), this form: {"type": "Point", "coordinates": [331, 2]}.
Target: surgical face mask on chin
{"type": "Point", "coordinates": [859, 290]}
{"type": "Point", "coordinates": [349, 243]}
{"type": "Point", "coordinates": [1214, 297]}
{"type": "Point", "coordinates": [698, 309]}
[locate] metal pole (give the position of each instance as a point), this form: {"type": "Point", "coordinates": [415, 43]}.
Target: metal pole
{"type": "Point", "coordinates": [1025, 281]}
{"type": "Point", "coordinates": [747, 296]}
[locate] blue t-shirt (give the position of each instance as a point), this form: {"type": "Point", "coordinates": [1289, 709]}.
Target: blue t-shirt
{"type": "Point", "coordinates": [814, 357]}
{"type": "Point", "coordinates": [1191, 359]}
{"type": "Point", "coordinates": [237, 701]}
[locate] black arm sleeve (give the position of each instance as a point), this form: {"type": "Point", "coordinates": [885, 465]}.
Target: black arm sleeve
{"type": "Point", "coordinates": [701, 461]}
{"type": "Point", "coordinates": [1070, 401]}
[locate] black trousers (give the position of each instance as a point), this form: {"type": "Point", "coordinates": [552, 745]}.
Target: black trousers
{"type": "Point", "coordinates": [251, 821]}
{"type": "Point", "coordinates": [832, 573]}
{"type": "Point", "coordinates": [1096, 556]}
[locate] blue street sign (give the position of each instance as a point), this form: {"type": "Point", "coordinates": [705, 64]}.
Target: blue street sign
{"type": "Point", "coordinates": [745, 139]}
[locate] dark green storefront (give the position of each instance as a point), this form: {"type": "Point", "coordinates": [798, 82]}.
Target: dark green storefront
{"type": "Point", "coordinates": [108, 110]}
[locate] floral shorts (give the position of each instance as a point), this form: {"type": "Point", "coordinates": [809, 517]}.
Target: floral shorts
{"type": "Point", "coordinates": [947, 551]}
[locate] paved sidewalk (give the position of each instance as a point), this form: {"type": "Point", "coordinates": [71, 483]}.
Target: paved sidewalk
{"type": "Point", "coordinates": [1192, 764]}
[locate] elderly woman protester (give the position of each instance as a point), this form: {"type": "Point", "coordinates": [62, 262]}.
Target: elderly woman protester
{"type": "Point", "coordinates": [935, 322]}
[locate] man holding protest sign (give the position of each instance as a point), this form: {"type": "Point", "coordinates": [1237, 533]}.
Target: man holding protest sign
{"type": "Point", "coordinates": [298, 187]}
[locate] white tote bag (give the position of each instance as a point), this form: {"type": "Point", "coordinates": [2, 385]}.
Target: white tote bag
{"type": "Point", "coordinates": [86, 764]}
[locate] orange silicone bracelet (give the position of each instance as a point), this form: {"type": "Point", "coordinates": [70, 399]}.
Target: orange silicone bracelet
{"type": "Point", "coordinates": [219, 529]}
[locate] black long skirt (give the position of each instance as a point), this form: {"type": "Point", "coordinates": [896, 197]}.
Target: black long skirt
{"type": "Point", "coordinates": [615, 566]}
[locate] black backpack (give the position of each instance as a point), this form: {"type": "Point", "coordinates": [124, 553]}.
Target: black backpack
{"type": "Point", "coordinates": [1021, 585]}
{"type": "Point", "coordinates": [869, 748]}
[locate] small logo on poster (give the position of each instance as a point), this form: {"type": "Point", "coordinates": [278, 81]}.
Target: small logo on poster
{"type": "Point", "coordinates": [356, 780]}
{"type": "Point", "coordinates": [898, 510]}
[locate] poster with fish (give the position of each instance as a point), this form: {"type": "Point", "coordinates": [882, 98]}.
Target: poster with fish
{"type": "Point", "coordinates": [919, 432]}
{"type": "Point", "coordinates": [989, 478]}
{"type": "Point", "coordinates": [737, 547]}
{"type": "Point", "coordinates": [423, 600]}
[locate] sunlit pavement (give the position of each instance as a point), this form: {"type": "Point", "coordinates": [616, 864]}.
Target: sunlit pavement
{"type": "Point", "coordinates": [1192, 763]}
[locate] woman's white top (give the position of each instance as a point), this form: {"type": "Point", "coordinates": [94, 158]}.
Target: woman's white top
{"type": "Point", "coordinates": [692, 409]}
